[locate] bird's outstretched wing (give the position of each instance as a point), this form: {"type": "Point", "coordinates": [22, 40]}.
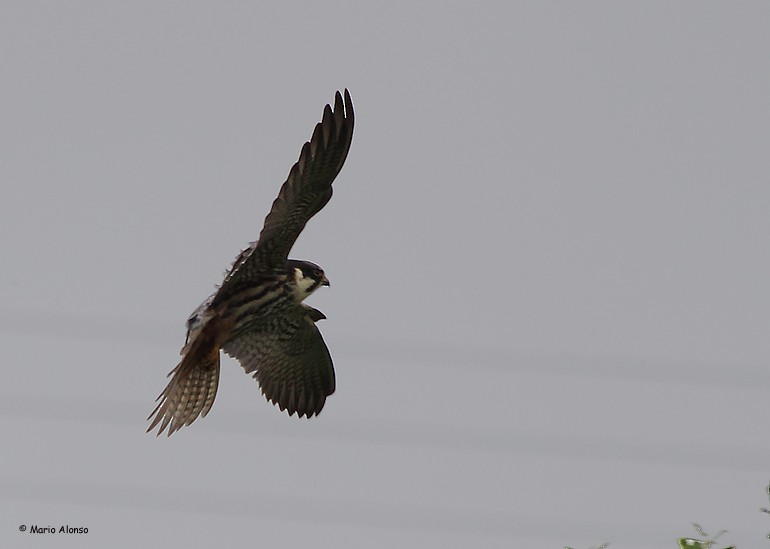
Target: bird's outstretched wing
{"type": "Point", "coordinates": [291, 363]}
{"type": "Point", "coordinates": [307, 189]}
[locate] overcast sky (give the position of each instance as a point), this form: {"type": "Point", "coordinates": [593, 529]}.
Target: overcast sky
{"type": "Point", "coordinates": [548, 254]}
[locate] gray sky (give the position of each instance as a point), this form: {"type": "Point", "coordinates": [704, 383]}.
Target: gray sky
{"type": "Point", "coordinates": [548, 251]}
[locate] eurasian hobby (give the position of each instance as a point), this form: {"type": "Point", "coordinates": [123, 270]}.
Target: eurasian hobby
{"type": "Point", "coordinates": [256, 315]}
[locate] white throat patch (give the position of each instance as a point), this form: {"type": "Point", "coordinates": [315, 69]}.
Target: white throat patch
{"type": "Point", "coordinates": [303, 284]}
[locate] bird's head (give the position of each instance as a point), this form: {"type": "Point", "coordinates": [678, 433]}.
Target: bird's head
{"type": "Point", "coordinates": [308, 277]}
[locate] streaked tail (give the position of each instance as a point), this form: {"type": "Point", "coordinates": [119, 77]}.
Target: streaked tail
{"type": "Point", "coordinates": [193, 385]}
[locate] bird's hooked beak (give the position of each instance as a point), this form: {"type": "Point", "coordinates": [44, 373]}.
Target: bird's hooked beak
{"type": "Point", "coordinates": [324, 281]}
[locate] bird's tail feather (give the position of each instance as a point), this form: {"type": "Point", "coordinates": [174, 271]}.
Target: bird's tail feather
{"type": "Point", "coordinates": [192, 388]}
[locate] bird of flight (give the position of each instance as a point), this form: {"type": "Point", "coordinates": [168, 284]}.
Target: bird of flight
{"type": "Point", "coordinates": [256, 315]}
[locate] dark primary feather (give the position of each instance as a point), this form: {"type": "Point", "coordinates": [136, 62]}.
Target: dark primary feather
{"type": "Point", "coordinates": [307, 189]}
{"type": "Point", "coordinates": [290, 361]}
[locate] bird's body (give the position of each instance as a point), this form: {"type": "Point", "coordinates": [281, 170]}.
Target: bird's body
{"type": "Point", "coordinates": [257, 316]}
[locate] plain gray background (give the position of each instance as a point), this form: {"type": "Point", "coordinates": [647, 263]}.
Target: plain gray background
{"type": "Point", "coordinates": [548, 251]}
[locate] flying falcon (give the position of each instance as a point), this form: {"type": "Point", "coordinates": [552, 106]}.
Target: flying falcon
{"type": "Point", "coordinates": [256, 315]}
